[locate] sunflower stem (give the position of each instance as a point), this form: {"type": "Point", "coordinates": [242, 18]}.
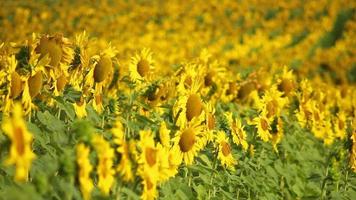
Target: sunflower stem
{"type": "Point", "coordinates": [212, 173]}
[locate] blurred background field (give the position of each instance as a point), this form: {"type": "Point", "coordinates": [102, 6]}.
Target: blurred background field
{"type": "Point", "coordinates": [267, 88]}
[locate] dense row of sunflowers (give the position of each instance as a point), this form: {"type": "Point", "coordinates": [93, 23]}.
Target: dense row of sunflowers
{"type": "Point", "coordinates": [294, 64]}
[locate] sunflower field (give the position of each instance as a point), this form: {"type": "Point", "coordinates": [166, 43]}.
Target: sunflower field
{"type": "Point", "coordinates": [177, 99]}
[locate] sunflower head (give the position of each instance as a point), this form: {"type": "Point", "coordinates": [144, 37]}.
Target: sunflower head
{"type": "Point", "coordinates": [286, 83]}
{"type": "Point", "coordinates": [141, 66]}
{"type": "Point", "coordinates": [225, 152]}
{"type": "Point", "coordinates": [103, 68]}
{"type": "Point", "coordinates": [35, 84]}
{"type": "Point", "coordinates": [56, 47]}
{"type": "Point", "coordinates": [190, 140]}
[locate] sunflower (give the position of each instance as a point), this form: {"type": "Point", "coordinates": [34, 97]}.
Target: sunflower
{"type": "Point", "coordinates": [21, 154]}
{"type": "Point", "coordinates": [329, 136]}
{"type": "Point", "coordinates": [272, 102]}
{"type": "Point", "coordinates": [353, 148]}
{"type": "Point", "coordinates": [212, 71]}
{"type": "Point", "coordinates": [224, 154]}
{"type": "Point", "coordinates": [263, 127]}
{"type": "Point", "coordinates": [103, 66]}
{"type": "Point", "coordinates": [190, 140]}
{"type": "Point", "coordinates": [277, 132]}
{"type": "Point", "coordinates": [189, 104]}
{"type": "Point", "coordinates": [164, 135]}
{"type": "Point", "coordinates": [80, 108]}
{"type": "Point", "coordinates": [57, 47]}
{"type": "Point", "coordinates": [125, 164]}
{"type": "Point", "coordinates": [80, 63]}
{"type": "Point", "coordinates": [169, 161]}
{"type": "Point", "coordinates": [210, 122]}
{"type": "Point", "coordinates": [105, 167]}
{"type": "Point", "coordinates": [304, 114]}
{"type": "Point", "coordinates": [168, 154]}
{"type": "Point", "coordinates": [286, 82]}
{"type": "Point", "coordinates": [186, 75]}
{"type": "Point", "coordinates": [229, 91]}
{"type": "Point", "coordinates": [85, 168]}
{"type": "Point", "coordinates": [148, 158]}
{"type": "Point", "coordinates": [141, 66]}
{"type": "Point", "coordinates": [239, 136]}
{"type": "Point", "coordinates": [15, 84]}
{"type": "Point", "coordinates": [340, 125]}
{"type": "Point", "coordinates": [34, 81]}
{"type": "Point", "coordinates": [97, 100]}
{"type": "Point", "coordinates": [149, 189]}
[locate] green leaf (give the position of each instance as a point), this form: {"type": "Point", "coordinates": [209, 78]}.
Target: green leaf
{"type": "Point", "coordinates": [51, 122]}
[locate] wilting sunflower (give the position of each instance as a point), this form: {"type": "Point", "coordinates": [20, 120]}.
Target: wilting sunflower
{"type": "Point", "coordinates": [105, 167]}
{"type": "Point", "coordinates": [189, 104]}
{"type": "Point", "coordinates": [141, 66]}
{"type": "Point", "coordinates": [85, 168]}
{"type": "Point", "coordinates": [57, 47]}
{"type": "Point", "coordinates": [239, 135]}
{"type": "Point", "coordinates": [103, 66]}
{"type": "Point", "coordinates": [189, 139]}
{"type": "Point", "coordinates": [34, 80]}
{"type": "Point", "coordinates": [14, 84]}
{"type": "Point", "coordinates": [224, 148]}
{"type": "Point", "coordinates": [21, 154]}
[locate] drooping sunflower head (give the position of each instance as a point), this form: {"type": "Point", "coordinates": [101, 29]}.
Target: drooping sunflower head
{"type": "Point", "coordinates": [15, 82]}
{"type": "Point", "coordinates": [103, 69]}
{"type": "Point", "coordinates": [57, 47]}
{"type": "Point", "coordinates": [141, 67]}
